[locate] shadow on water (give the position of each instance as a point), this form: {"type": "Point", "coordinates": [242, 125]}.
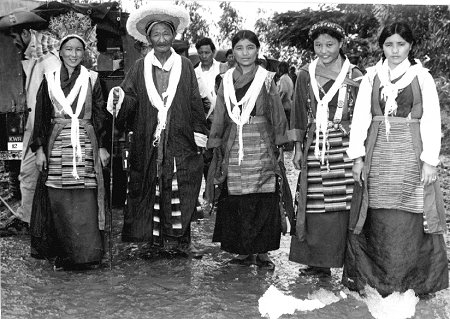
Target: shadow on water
{"type": "Point", "coordinates": [142, 284]}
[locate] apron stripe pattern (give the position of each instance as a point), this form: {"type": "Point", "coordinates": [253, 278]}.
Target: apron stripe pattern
{"type": "Point", "coordinates": [395, 161]}
{"type": "Point", "coordinates": [330, 186]}
{"type": "Point", "coordinates": [243, 178]}
{"type": "Point", "coordinates": [60, 162]}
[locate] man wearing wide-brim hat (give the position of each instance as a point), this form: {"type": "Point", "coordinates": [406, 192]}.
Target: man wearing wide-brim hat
{"type": "Point", "coordinates": [159, 102]}
{"type": "Point", "coordinates": [21, 26]}
{"type": "Point", "coordinates": [18, 24]}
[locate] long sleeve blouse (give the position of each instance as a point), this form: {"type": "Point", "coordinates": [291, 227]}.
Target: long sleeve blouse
{"type": "Point", "coordinates": [430, 123]}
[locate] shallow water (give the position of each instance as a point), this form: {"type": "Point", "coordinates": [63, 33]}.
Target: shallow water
{"type": "Point", "coordinates": [141, 285]}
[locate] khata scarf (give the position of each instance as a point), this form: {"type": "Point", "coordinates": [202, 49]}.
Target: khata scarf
{"type": "Point", "coordinates": [322, 104]}
{"type": "Point", "coordinates": [247, 102]}
{"type": "Point", "coordinates": [162, 104]}
{"type": "Point", "coordinates": [389, 90]}
{"type": "Point", "coordinates": [80, 88]}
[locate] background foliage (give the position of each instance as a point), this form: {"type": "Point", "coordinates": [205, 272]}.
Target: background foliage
{"type": "Point", "coordinates": [199, 27]}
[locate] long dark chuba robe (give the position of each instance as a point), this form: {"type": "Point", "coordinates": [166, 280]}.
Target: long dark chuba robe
{"type": "Point", "coordinates": [185, 117]}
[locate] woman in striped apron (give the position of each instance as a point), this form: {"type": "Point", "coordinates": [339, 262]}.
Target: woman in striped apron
{"type": "Point", "coordinates": [397, 242]}
{"type": "Point", "coordinates": [320, 123]}
{"type": "Point", "coordinates": [69, 138]}
{"type": "Point", "coordinates": [249, 122]}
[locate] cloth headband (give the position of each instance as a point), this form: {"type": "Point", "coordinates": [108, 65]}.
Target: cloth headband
{"type": "Point", "coordinates": [70, 36]}
{"type": "Point", "coordinates": [151, 24]}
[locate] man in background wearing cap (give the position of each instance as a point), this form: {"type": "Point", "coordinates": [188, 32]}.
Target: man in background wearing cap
{"type": "Point", "coordinates": [20, 25]}
{"type": "Point", "coordinates": [159, 102]}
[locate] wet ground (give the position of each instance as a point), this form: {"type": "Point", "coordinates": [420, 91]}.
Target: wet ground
{"type": "Point", "coordinates": [142, 285]}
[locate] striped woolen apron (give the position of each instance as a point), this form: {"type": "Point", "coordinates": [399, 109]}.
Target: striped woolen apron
{"type": "Point", "coordinates": [330, 186]}
{"type": "Point", "coordinates": [394, 177]}
{"type": "Point", "coordinates": [255, 174]}
{"type": "Point", "coordinates": [60, 162]}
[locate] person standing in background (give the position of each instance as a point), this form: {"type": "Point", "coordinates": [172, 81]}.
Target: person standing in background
{"type": "Point", "coordinates": [39, 55]}
{"type": "Point", "coordinates": [286, 91]}
{"type": "Point", "coordinates": [229, 63]}
{"type": "Point", "coordinates": [285, 88]}
{"type": "Point", "coordinates": [206, 73]}
{"type": "Point", "coordinates": [293, 74]}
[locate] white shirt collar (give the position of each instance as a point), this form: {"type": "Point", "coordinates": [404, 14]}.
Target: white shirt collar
{"type": "Point", "coordinates": [169, 63]}
{"type": "Point", "coordinates": [214, 66]}
{"type": "Point", "coordinates": [399, 70]}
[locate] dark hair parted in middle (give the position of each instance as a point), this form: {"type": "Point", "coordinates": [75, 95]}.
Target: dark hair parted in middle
{"type": "Point", "coordinates": [402, 29]}
{"type": "Point", "coordinates": [245, 35]}
{"type": "Point", "coordinates": [205, 41]}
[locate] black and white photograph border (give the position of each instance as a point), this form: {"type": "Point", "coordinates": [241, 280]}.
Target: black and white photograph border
{"type": "Point", "coordinates": [136, 281]}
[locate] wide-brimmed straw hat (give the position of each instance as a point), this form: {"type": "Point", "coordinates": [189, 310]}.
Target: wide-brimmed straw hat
{"type": "Point", "coordinates": [21, 16]}
{"type": "Point", "coordinates": [139, 20]}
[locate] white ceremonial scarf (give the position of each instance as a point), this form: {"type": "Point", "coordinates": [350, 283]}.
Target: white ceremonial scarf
{"type": "Point", "coordinates": [389, 90]}
{"type": "Point", "coordinates": [212, 97]}
{"type": "Point", "coordinates": [248, 101]}
{"type": "Point", "coordinates": [173, 64]}
{"type": "Point", "coordinates": [322, 104]}
{"type": "Point", "coordinates": [80, 87]}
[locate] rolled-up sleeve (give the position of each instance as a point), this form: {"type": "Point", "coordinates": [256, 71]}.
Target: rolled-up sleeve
{"type": "Point", "coordinates": [430, 123]}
